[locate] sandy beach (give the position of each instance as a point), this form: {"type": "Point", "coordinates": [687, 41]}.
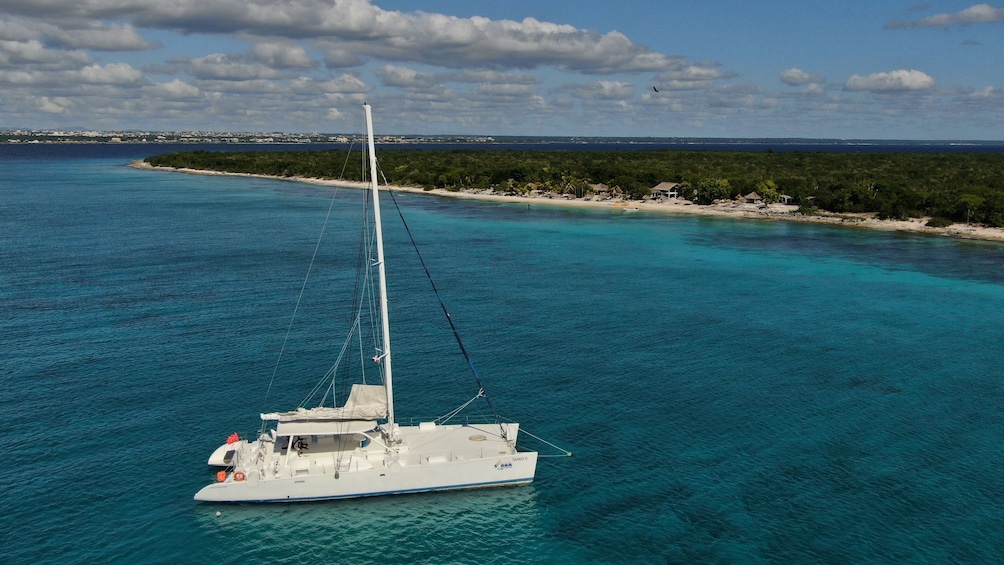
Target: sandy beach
{"type": "Point", "coordinates": [774, 212]}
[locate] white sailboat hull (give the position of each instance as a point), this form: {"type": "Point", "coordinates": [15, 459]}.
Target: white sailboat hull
{"type": "Point", "coordinates": [429, 458]}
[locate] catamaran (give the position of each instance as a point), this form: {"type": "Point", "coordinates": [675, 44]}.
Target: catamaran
{"type": "Point", "coordinates": [358, 449]}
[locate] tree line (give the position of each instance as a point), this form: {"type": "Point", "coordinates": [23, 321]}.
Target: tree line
{"type": "Point", "coordinates": [948, 187]}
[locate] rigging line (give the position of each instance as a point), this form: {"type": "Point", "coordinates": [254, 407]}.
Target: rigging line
{"type": "Point", "coordinates": [348, 154]}
{"type": "Point", "coordinates": [355, 327]}
{"type": "Point", "coordinates": [303, 287]}
{"type": "Point", "coordinates": [342, 355]}
{"type": "Point", "coordinates": [371, 293]}
{"type": "Point", "coordinates": [299, 298]}
{"type": "Point", "coordinates": [359, 292]}
{"type": "Point", "coordinates": [565, 451]}
{"type": "Point", "coordinates": [449, 416]}
{"type": "Point", "coordinates": [456, 334]}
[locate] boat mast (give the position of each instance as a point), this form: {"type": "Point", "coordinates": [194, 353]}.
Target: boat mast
{"type": "Point", "coordinates": [384, 320]}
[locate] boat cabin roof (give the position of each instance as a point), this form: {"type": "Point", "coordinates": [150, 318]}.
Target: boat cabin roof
{"type": "Point", "coordinates": [324, 428]}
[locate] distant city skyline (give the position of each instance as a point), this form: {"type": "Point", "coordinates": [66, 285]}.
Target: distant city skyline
{"type": "Point", "coordinates": [648, 68]}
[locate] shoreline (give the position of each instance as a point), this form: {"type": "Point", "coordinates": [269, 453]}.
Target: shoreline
{"type": "Point", "coordinates": [677, 206]}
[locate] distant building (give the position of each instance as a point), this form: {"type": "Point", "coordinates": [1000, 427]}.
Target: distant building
{"type": "Point", "coordinates": [666, 190]}
{"type": "Point", "coordinates": [601, 191]}
{"type": "Point", "coordinates": [753, 198]}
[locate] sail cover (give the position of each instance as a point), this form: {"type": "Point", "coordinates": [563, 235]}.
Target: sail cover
{"type": "Point", "coordinates": [366, 402]}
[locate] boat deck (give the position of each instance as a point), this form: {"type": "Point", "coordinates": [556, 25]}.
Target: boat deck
{"type": "Point", "coordinates": [425, 444]}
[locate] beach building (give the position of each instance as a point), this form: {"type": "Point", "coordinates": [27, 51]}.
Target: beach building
{"type": "Point", "coordinates": [601, 191]}
{"type": "Point", "coordinates": [666, 190]}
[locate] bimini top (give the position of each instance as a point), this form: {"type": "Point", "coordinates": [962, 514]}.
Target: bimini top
{"type": "Point", "coordinates": [366, 402]}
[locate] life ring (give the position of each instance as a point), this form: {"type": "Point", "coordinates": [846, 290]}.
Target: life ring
{"type": "Point", "coordinates": [239, 476]}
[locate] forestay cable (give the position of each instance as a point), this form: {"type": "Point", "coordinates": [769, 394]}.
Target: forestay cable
{"type": "Point", "coordinates": [456, 334]}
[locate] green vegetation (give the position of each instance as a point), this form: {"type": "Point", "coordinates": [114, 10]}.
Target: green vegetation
{"type": "Point", "coordinates": [966, 187]}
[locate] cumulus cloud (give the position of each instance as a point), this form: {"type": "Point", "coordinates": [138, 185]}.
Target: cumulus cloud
{"type": "Point", "coordinates": [894, 81]}
{"type": "Point", "coordinates": [976, 14]}
{"type": "Point", "coordinates": [798, 77]}
{"type": "Point", "coordinates": [692, 77]}
{"type": "Point", "coordinates": [358, 27]}
{"type": "Point", "coordinates": [988, 93]}
{"type": "Point", "coordinates": [345, 84]}
{"type": "Point", "coordinates": [34, 54]}
{"type": "Point", "coordinates": [307, 59]}
{"type": "Point", "coordinates": [253, 87]}
{"type": "Point", "coordinates": [17, 31]}
{"type": "Point", "coordinates": [493, 77]}
{"type": "Point", "coordinates": [283, 56]}
{"type": "Point", "coordinates": [57, 105]}
{"type": "Point", "coordinates": [218, 66]}
{"type": "Point", "coordinates": [497, 44]}
{"type": "Point", "coordinates": [393, 75]}
{"type": "Point", "coordinates": [337, 56]}
{"type": "Point", "coordinates": [99, 37]}
{"type": "Point", "coordinates": [506, 90]}
{"type": "Point", "coordinates": [94, 35]}
{"type": "Point", "coordinates": [115, 73]}
{"type": "Point", "coordinates": [601, 90]}
{"type": "Point", "coordinates": [176, 89]}
{"type": "Point", "coordinates": [737, 96]}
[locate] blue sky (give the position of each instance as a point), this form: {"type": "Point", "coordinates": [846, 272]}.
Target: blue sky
{"type": "Point", "coordinates": [851, 69]}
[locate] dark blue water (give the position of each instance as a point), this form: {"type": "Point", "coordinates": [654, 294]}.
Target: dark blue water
{"type": "Point", "coordinates": [733, 391]}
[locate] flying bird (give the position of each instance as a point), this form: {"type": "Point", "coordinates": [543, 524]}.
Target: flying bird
{"type": "Point", "coordinates": [655, 89]}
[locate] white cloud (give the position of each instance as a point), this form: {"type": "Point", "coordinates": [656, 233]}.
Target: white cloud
{"type": "Point", "coordinates": [287, 64]}
{"type": "Point", "coordinates": [693, 77]}
{"type": "Point", "coordinates": [115, 73]}
{"type": "Point", "coordinates": [893, 81]}
{"type": "Point", "coordinates": [663, 100]}
{"type": "Point", "coordinates": [218, 66]}
{"type": "Point", "coordinates": [57, 105]}
{"type": "Point", "coordinates": [99, 37]}
{"type": "Point", "coordinates": [34, 54]}
{"type": "Point", "coordinates": [506, 90]}
{"type": "Point", "coordinates": [76, 34]}
{"type": "Point", "coordinates": [976, 14]}
{"type": "Point", "coordinates": [16, 31]}
{"type": "Point", "coordinates": [345, 84]}
{"type": "Point", "coordinates": [738, 96]}
{"type": "Point", "coordinates": [176, 89]}
{"type": "Point", "coordinates": [357, 28]}
{"type": "Point", "coordinates": [393, 75]}
{"type": "Point", "coordinates": [283, 56]}
{"type": "Point", "coordinates": [337, 55]}
{"type": "Point", "coordinates": [988, 93]}
{"type": "Point", "coordinates": [493, 77]}
{"type": "Point", "coordinates": [601, 90]}
{"type": "Point", "coordinates": [255, 87]}
{"type": "Point", "coordinates": [798, 77]}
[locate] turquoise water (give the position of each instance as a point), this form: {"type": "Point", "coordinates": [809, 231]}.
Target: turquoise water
{"type": "Point", "coordinates": [747, 392]}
